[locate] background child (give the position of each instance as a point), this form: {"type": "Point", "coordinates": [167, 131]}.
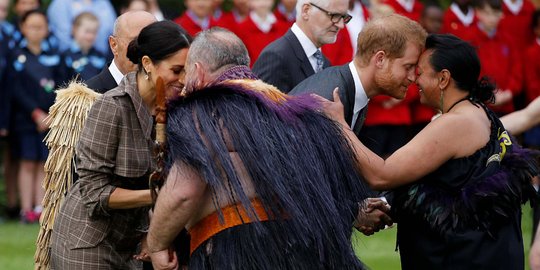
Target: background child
{"type": "Point", "coordinates": [35, 71]}
{"type": "Point", "coordinates": [260, 28]}
{"type": "Point", "coordinates": [498, 55]}
{"type": "Point", "coordinates": [82, 58]}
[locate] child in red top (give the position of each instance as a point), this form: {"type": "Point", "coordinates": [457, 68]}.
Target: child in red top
{"type": "Point", "coordinates": [231, 19]}
{"type": "Point", "coordinates": [516, 22]}
{"type": "Point", "coordinates": [286, 11]}
{"type": "Point", "coordinates": [411, 9]}
{"type": "Point", "coordinates": [260, 28]}
{"type": "Point", "coordinates": [197, 17]}
{"type": "Point", "coordinates": [531, 62]}
{"type": "Point", "coordinates": [498, 55]}
{"type": "Point", "coordinates": [459, 18]}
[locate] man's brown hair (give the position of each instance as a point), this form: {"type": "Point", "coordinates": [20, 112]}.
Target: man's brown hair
{"type": "Point", "coordinates": [389, 34]}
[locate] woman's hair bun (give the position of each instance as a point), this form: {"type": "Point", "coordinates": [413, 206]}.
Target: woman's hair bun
{"type": "Point", "coordinates": [484, 90]}
{"type": "Point", "coordinates": [134, 52]}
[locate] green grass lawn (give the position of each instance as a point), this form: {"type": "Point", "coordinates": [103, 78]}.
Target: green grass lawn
{"type": "Point", "coordinates": [17, 244]}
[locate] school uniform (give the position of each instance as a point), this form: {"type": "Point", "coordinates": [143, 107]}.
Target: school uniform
{"type": "Point", "coordinates": [282, 15]}
{"type": "Point", "coordinates": [500, 61]}
{"type": "Point", "coordinates": [33, 79]}
{"type": "Point", "coordinates": [531, 64]}
{"type": "Point", "coordinates": [456, 22]}
{"type": "Point", "coordinates": [194, 25]}
{"type": "Point", "coordinates": [6, 43]}
{"type": "Point", "coordinates": [230, 20]}
{"type": "Point", "coordinates": [84, 65]}
{"type": "Point", "coordinates": [258, 33]}
{"type": "Point", "coordinates": [411, 9]}
{"type": "Point", "coordinates": [532, 88]}
{"type": "Point", "coordinates": [516, 22]}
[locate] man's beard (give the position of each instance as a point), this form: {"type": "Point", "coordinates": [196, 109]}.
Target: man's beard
{"type": "Point", "coordinates": [387, 84]}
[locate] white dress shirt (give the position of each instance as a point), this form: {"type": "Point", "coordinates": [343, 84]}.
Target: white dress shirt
{"type": "Point", "coordinates": [307, 45]}
{"type": "Point", "coordinates": [360, 97]}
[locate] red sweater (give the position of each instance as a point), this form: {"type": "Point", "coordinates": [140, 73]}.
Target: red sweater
{"type": "Point", "coordinates": [531, 65]}
{"type": "Point", "coordinates": [453, 25]}
{"type": "Point", "coordinates": [518, 26]}
{"type": "Point", "coordinates": [281, 17]}
{"type": "Point", "coordinates": [255, 39]}
{"type": "Point", "coordinates": [500, 60]}
{"type": "Point", "coordinates": [228, 21]}
{"type": "Point", "coordinates": [399, 114]}
{"type": "Point", "coordinates": [399, 9]}
{"type": "Point", "coordinates": [190, 26]}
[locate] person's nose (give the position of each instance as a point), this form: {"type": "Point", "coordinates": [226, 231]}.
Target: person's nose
{"type": "Point", "coordinates": [341, 23]}
{"type": "Point", "coordinates": [411, 76]}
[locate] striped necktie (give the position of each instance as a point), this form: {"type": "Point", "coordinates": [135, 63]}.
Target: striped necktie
{"type": "Point", "coordinates": [318, 55]}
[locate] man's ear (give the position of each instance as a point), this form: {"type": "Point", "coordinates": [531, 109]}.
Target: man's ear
{"type": "Point", "coordinates": [114, 45]}
{"type": "Point", "coordinates": [201, 75]}
{"type": "Point", "coordinates": [305, 11]}
{"type": "Point", "coordinates": [379, 58]}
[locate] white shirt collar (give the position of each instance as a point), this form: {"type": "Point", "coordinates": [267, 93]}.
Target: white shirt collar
{"type": "Point", "coordinates": [466, 19]}
{"type": "Point", "coordinates": [307, 45]}
{"type": "Point", "coordinates": [265, 25]}
{"type": "Point", "coordinates": [360, 97]}
{"type": "Point", "coordinates": [515, 8]}
{"type": "Point", "coordinates": [406, 4]}
{"type": "Point", "coordinates": [115, 72]}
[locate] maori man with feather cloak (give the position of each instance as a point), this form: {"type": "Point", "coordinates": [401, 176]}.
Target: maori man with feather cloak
{"type": "Point", "coordinates": [260, 179]}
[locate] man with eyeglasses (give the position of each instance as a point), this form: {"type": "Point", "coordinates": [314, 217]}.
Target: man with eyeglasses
{"type": "Point", "coordinates": [292, 58]}
{"type": "Point", "coordinates": [126, 27]}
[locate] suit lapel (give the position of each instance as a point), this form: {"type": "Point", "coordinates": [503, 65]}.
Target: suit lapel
{"type": "Point", "coordinates": [305, 65]}
{"type": "Point", "coordinates": [360, 121]}
{"type": "Point", "coordinates": [348, 93]}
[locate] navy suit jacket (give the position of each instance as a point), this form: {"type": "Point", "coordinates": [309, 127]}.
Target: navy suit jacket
{"type": "Point", "coordinates": [323, 84]}
{"type": "Point", "coordinates": [102, 82]}
{"type": "Point", "coordinates": [284, 64]}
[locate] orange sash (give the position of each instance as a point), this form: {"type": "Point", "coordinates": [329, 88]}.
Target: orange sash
{"type": "Point", "coordinates": [233, 215]}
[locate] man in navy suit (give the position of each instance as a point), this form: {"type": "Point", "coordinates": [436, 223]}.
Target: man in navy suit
{"type": "Point", "coordinates": [126, 27]}
{"type": "Point", "coordinates": [384, 64]}
{"type": "Point", "coordinates": [295, 56]}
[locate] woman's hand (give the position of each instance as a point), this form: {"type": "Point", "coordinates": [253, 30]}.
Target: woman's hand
{"type": "Point", "coordinates": [144, 255]}
{"type": "Point", "coordinates": [333, 109]}
{"type": "Point", "coordinates": [164, 259]}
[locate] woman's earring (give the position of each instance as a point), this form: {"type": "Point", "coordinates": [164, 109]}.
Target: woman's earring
{"type": "Point", "coordinates": [146, 77]}
{"type": "Point", "coordinates": [441, 100]}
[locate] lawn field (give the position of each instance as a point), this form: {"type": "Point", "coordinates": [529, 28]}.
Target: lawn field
{"type": "Point", "coordinates": [17, 244]}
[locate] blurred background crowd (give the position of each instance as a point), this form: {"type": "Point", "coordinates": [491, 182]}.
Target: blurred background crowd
{"type": "Point", "coordinates": [45, 44]}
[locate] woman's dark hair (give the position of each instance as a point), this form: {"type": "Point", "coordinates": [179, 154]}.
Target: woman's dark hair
{"type": "Point", "coordinates": [31, 12]}
{"type": "Point", "coordinates": [158, 41]}
{"type": "Point", "coordinates": [460, 58]}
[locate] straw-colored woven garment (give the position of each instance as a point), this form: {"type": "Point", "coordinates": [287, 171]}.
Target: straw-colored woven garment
{"type": "Point", "coordinates": [66, 120]}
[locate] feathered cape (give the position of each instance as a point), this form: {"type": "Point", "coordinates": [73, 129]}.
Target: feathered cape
{"type": "Point", "coordinates": [299, 161]}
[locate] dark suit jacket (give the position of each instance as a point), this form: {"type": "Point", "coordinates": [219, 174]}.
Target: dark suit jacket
{"type": "Point", "coordinates": [323, 84]}
{"type": "Point", "coordinates": [102, 82]}
{"type": "Point", "coordinates": [284, 64]}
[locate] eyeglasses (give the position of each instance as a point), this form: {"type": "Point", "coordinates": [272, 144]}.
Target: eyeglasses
{"type": "Point", "coordinates": [334, 17]}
